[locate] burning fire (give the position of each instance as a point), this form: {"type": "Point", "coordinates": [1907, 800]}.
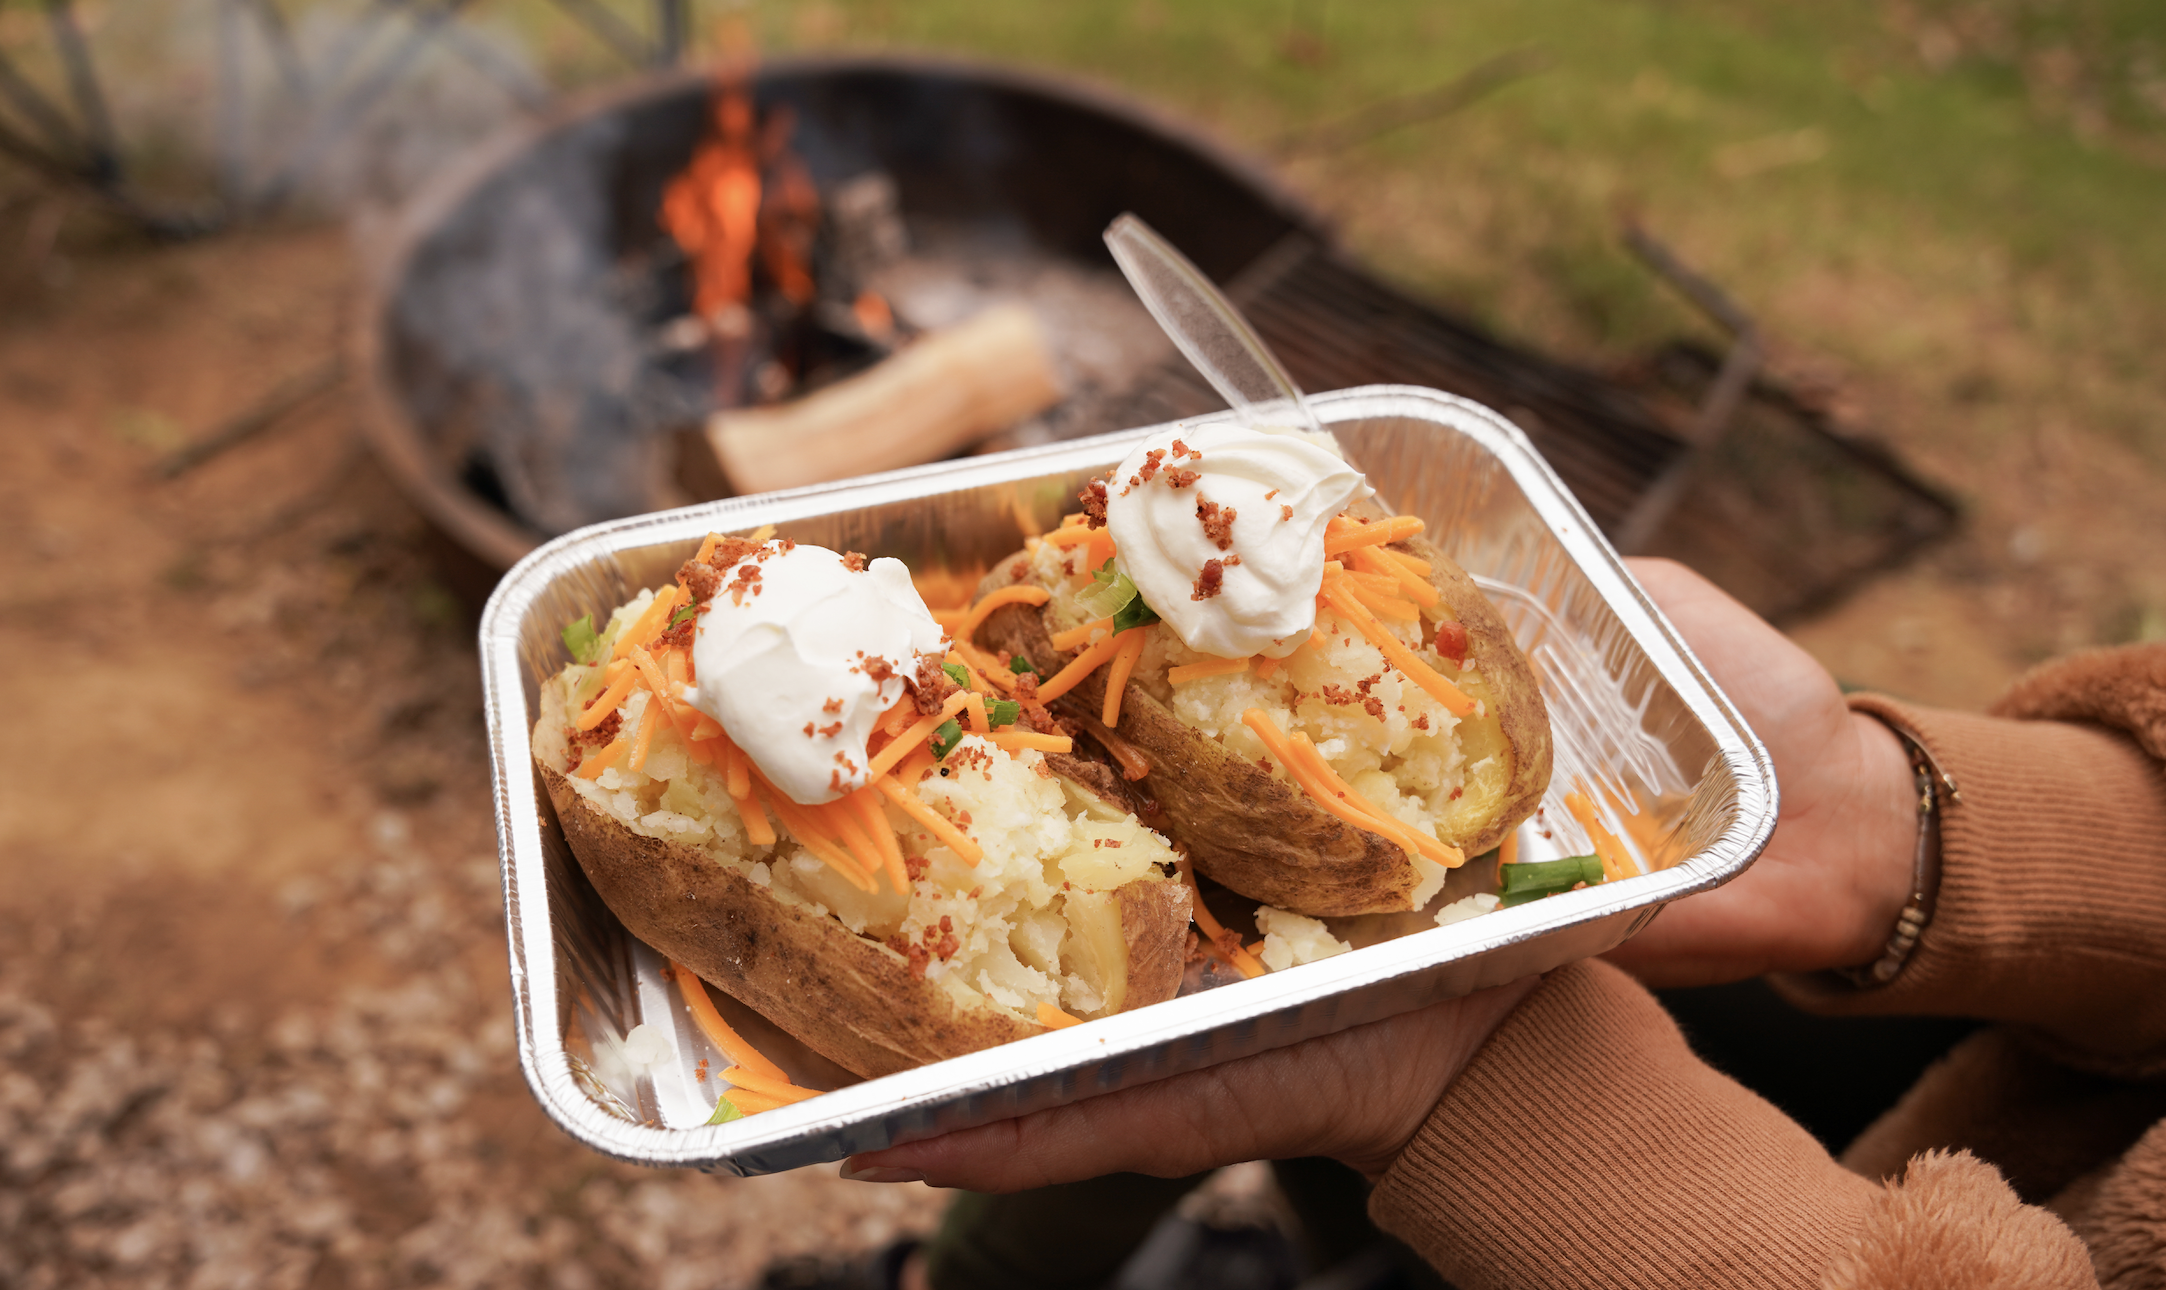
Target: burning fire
{"type": "Point", "coordinates": [744, 199]}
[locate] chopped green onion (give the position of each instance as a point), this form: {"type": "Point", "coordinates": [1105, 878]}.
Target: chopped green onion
{"type": "Point", "coordinates": [957, 673]}
{"type": "Point", "coordinates": [1019, 665]}
{"type": "Point", "coordinates": [949, 734]}
{"type": "Point", "coordinates": [1544, 876]}
{"type": "Point", "coordinates": [1133, 614]}
{"type": "Point", "coordinates": [724, 1112]}
{"type": "Point", "coordinates": [683, 613]}
{"type": "Point", "coordinates": [581, 641]}
{"type": "Point", "coordinates": [1003, 712]}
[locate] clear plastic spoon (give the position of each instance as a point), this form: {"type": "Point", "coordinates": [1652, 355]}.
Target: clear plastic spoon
{"type": "Point", "coordinates": [1208, 329]}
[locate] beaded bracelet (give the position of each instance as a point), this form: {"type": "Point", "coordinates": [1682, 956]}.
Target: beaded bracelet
{"type": "Point", "coordinates": [1924, 871]}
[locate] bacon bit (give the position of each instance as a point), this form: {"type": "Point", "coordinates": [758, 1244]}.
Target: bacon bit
{"type": "Point", "coordinates": [917, 954]}
{"type": "Point", "coordinates": [609, 728]}
{"type": "Point", "coordinates": [831, 707]}
{"type": "Point", "coordinates": [879, 669]}
{"type": "Point", "coordinates": [1178, 477]}
{"type": "Point", "coordinates": [747, 579]}
{"type": "Point", "coordinates": [808, 730]}
{"type": "Point", "coordinates": [1421, 722]}
{"type": "Point", "coordinates": [1217, 521]}
{"type": "Point", "coordinates": [834, 782]}
{"type": "Point", "coordinates": [1093, 498]}
{"type": "Point", "coordinates": [1337, 695]}
{"type": "Point", "coordinates": [1455, 795]}
{"type": "Point", "coordinates": [931, 686]}
{"type": "Point", "coordinates": [915, 866]}
{"type": "Point", "coordinates": [829, 732]}
{"type": "Point", "coordinates": [1183, 450]}
{"type": "Point", "coordinates": [1150, 468]}
{"type": "Point", "coordinates": [1211, 581]}
{"type": "Point", "coordinates": [701, 579]}
{"type": "Point", "coordinates": [727, 551]}
{"type": "Point", "coordinates": [854, 561]}
{"type": "Point", "coordinates": [1273, 493]}
{"type": "Point", "coordinates": [1451, 642]}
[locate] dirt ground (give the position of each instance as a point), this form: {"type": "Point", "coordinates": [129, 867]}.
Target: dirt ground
{"type": "Point", "coordinates": [253, 1023]}
{"type": "Point", "coordinates": [253, 1017]}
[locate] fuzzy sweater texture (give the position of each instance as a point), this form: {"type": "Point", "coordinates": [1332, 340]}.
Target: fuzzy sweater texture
{"type": "Point", "coordinates": [2033, 1155]}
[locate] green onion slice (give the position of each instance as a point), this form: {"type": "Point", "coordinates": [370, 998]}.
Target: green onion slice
{"type": "Point", "coordinates": [683, 613]}
{"type": "Point", "coordinates": [1019, 665]}
{"type": "Point", "coordinates": [582, 641]}
{"type": "Point", "coordinates": [957, 673]}
{"type": "Point", "coordinates": [1544, 876]}
{"type": "Point", "coordinates": [724, 1112]}
{"type": "Point", "coordinates": [1003, 712]}
{"type": "Point", "coordinates": [949, 734]}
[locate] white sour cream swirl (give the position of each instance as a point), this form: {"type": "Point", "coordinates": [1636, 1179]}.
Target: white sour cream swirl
{"type": "Point", "coordinates": [1283, 487]}
{"type": "Point", "coordinates": [783, 666]}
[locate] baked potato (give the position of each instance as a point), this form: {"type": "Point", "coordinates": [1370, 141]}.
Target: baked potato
{"type": "Point", "coordinates": [1203, 742]}
{"type": "Point", "coordinates": [1068, 912]}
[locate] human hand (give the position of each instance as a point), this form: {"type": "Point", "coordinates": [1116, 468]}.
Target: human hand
{"type": "Point", "coordinates": [1827, 890]}
{"type": "Point", "coordinates": [1357, 1096]}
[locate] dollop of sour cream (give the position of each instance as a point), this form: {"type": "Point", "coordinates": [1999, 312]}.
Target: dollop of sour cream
{"type": "Point", "coordinates": [1221, 528]}
{"type": "Point", "coordinates": [800, 652]}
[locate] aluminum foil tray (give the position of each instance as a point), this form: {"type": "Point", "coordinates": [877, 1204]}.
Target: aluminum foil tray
{"type": "Point", "coordinates": [1637, 725]}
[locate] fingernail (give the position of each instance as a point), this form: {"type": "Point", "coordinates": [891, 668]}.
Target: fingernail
{"type": "Point", "coordinates": [879, 1173]}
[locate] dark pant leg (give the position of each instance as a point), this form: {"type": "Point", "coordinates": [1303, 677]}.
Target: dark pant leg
{"type": "Point", "coordinates": [1332, 1202]}
{"type": "Point", "coordinates": [1071, 1237]}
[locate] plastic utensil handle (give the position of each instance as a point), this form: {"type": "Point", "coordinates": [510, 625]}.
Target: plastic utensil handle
{"type": "Point", "coordinates": [1206, 326]}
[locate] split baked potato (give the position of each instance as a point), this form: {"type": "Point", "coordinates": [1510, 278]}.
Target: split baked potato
{"type": "Point", "coordinates": [1197, 772]}
{"type": "Point", "coordinates": [1071, 907]}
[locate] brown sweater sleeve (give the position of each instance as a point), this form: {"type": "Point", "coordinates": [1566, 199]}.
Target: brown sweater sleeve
{"type": "Point", "coordinates": [1585, 1145]}
{"type": "Point", "coordinates": [2052, 904]}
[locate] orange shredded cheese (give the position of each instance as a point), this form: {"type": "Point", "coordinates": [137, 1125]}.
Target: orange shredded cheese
{"type": "Point", "coordinates": [1345, 533]}
{"type": "Point", "coordinates": [1019, 594]}
{"type": "Point", "coordinates": [983, 666]}
{"type": "Point", "coordinates": [593, 766]}
{"type": "Point", "coordinates": [1307, 768]}
{"type": "Point", "coordinates": [1187, 672]}
{"type": "Point", "coordinates": [1075, 636]}
{"type": "Point", "coordinates": [649, 624]}
{"type": "Point", "coordinates": [1376, 560]}
{"type": "Point", "coordinates": [1616, 861]}
{"type": "Point", "coordinates": [1100, 548]}
{"type": "Point", "coordinates": [866, 802]}
{"type": "Point", "coordinates": [976, 673]}
{"type": "Point", "coordinates": [1395, 650]}
{"type": "Point", "coordinates": [1124, 665]}
{"type": "Point", "coordinates": [1016, 741]}
{"type": "Point", "coordinates": [1508, 850]}
{"type": "Point", "coordinates": [1227, 943]}
{"type": "Point", "coordinates": [654, 716]}
{"type": "Point", "coordinates": [718, 1031]}
{"type": "Point", "coordinates": [748, 1102]}
{"type": "Point", "coordinates": [1053, 1018]}
{"type": "Point", "coordinates": [974, 718]}
{"type": "Point", "coordinates": [620, 678]}
{"type": "Point", "coordinates": [897, 748]}
{"type": "Point", "coordinates": [1069, 535]}
{"type": "Point", "coordinates": [1081, 666]}
{"type": "Point", "coordinates": [940, 826]}
{"type": "Point", "coordinates": [752, 1081]}
{"type": "Point", "coordinates": [706, 548]}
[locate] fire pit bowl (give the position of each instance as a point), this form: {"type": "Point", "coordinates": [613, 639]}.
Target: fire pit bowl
{"type": "Point", "coordinates": [508, 331]}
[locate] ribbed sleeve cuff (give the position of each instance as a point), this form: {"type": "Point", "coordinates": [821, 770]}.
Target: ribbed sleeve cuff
{"type": "Point", "coordinates": [2053, 880]}
{"type": "Point", "coordinates": [1586, 1146]}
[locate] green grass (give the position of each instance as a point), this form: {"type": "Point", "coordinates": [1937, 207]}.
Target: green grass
{"type": "Point", "coordinates": [1953, 180]}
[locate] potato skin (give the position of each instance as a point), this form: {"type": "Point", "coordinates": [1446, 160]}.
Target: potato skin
{"type": "Point", "coordinates": [849, 998]}
{"type": "Point", "coordinates": [1262, 836]}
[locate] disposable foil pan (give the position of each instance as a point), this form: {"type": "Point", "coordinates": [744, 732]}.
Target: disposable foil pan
{"type": "Point", "coordinates": [1638, 727]}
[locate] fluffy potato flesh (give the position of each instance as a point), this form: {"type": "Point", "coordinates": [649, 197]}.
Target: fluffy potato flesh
{"type": "Point", "coordinates": [1465, 780]}
{"type": "Point", "coordinates": [1038, 920]}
